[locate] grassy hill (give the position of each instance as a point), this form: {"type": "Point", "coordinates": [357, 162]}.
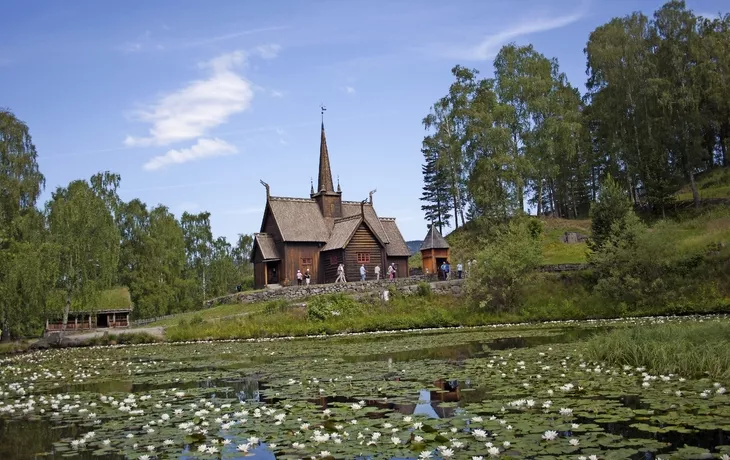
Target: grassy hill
{"type": "Point", "coordinates": [712, 184]}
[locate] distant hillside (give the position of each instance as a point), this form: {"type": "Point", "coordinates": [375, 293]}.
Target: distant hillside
{"type": "Point", "coordinates": [413, 246]}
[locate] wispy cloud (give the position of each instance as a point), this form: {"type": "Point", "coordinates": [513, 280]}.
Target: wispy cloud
{"type": "Point", "coordinates": [490, 45]}
{"type": "Point", "coordinates": [203, 148]}
{"type": "Point", "coordinates": [277, 94]}
{"type": "Point", "coordinates": [241, 33]}
{"type": "Point", "coordinates": [198, 107]}
{"type": "Point", "coordinates": [349, 90]}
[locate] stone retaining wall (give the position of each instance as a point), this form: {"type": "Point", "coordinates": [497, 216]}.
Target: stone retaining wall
{"type": "Point", "coordinates": [405, 285]}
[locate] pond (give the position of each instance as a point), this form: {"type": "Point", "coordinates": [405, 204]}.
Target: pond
{"type": "Point", "coordinates": [512, 391]}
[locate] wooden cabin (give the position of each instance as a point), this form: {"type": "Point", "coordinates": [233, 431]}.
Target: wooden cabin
{"type": "Point", "coordinates": [434, 252]}
{"type": "Point", "coordinates": [82, 320]}
{"type": "Point", "coordinates": [320, 232]}
{"type": "Point", "coordinates": [115, 310]}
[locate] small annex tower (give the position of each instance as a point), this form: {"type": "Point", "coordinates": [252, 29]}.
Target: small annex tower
{"type": "Point", "coordinates": [434, 251]}
{"type": "Point", "coordinates": [321, 232]}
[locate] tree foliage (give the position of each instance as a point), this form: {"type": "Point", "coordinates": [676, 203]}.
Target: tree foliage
{"type": "Point", "coordinates": [501, 267]}
{"type": "Point", "coordinates": [88, 240]}
{"type": "Point", "coordinates": [656, 114]}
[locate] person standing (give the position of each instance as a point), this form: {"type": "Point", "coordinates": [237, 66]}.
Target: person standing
{"type": "Point", "coordinates": [307, 277]}
{"type": "Point", "coordinates": [377, 273]}
{"type": "Point", "coordinates": [443, 270]}
{"type": "Point", "coordinates": [363, 272]}
{"type": "Point", "coordinates": [447, 269]}
{"type": "Point", "coordinates": [299, 277]}
{"type": "Point", "coordinates": [459, 270]}
{"type": "Point", "coordinates": [340, 274]}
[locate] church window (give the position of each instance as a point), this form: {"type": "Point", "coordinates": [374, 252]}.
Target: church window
{"type": "Point", "coordinates": [334, 260]}
{"type": "Point", "coordinates": [306, 261]}
{"type": "Point", "coordinates": [363, 257]}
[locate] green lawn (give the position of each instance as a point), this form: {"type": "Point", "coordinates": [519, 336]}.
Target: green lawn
{"type": "Point", "coordinates": [210, 314]}
{"type": "Point", "coordinates": [554, 251]}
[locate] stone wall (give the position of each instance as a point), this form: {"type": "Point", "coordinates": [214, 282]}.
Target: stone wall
{"type": "Point", "coordinates": [405, 285]}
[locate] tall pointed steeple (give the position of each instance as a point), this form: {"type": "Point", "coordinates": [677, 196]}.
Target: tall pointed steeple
{"type": "Point", "coordinates": [324, 184]}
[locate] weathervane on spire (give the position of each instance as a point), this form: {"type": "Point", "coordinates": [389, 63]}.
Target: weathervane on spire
{"type": "Point", "coordinates": [323, 109]}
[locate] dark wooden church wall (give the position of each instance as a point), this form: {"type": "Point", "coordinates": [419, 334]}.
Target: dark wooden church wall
{"type": "Point", "coordinates": [329, 261]}
{"type": "Point", "coordinates": [402, 265]}
{"type": "Point", "coordinates": [293, 255]}
{"type": "Point", "coordinates": [363, 241]}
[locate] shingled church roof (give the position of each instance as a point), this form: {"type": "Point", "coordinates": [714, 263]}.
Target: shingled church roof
{"type": "Point", "coordinates": [267, 246]}
{"type": "Point", "coordinates": [397, 246]}
{"type": "Point", "coordinates": [434, 240]}
{"type": "Point", "coordinates": [298, 219]}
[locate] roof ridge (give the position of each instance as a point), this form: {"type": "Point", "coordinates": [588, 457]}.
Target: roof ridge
{"type": "Point", "coordinates": [356, 202]}
{"type": "Point", "coordinates": [387, 218]}
{"type": "Point", "coordinates": [289, 198]}
{"type": "Point", "coordinates": [344, 219]}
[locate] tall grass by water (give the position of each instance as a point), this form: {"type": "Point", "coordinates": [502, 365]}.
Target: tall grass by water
{"type": "Point", "coordinates": [690, 350]}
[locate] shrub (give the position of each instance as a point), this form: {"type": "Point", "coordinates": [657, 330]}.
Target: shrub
{"type": "Point", "coordinates": [321, 308]}
{"type": "Point", "coordinates": [610, 207]}
{"type": "Point", "coordinates": [196, 320]}
{"type": "Point", "coordinates": [423, 289]}
{"type": "Point", "coordinates": [503, 265]}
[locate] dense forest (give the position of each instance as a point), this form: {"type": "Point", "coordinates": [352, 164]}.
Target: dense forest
{"type": "Point", "coordinates": [656, 114]}
{"type": "Point", "coordinates": [87, 240]}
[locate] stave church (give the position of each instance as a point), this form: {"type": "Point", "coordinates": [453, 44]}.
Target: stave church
{"type": "Point", "coordinates": [320, 232]}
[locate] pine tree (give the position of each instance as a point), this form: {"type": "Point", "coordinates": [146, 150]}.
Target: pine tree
{"type": "Point", "coordinates": [435, 192]}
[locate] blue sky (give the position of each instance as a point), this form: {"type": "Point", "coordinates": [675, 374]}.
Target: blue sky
{"type": "Point", "coordinates": [194, 102]}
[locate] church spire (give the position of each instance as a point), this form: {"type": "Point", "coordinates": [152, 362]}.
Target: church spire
{"type": "Point", "coordinates": [324, 184]}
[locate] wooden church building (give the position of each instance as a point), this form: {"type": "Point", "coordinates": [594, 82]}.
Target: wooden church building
{"type": "Point", "coordinates": [320, 232]}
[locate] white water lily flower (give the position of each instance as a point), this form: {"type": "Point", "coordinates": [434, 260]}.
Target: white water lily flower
{"type": "Point", "coordinates": [168, 442]}
{"type": "Point", "coordinates": [243, 447]}
{"type": "Point", "coordinates": [506, 444]}
{"type": "Point", "coordinates": [425, 454]}
{"type": "Point", "coordinates": [212, 450]}
{"type": "Point", "coordinates": [202, 448]}
{"type": "Point", "coordinates": [493, 451]}
{"type": "Point", "coordinates": [575, 426]}
{"type": "Point", "coordinates": [324, 453]}
{"type": "Point", "coordinates": [417, 426]}
{"type": "Point", "coordinates": [151, 448]}
{"type": "Point", "coordinates": [447, 453]}
{"type": "Point", "coordinates": [574, 442]}
{"type": "Point", "coordinates": [106, 442]}
{"type": "Point", "coordinates": [395, 440]}
{"type": "Point", "coordinates": [417, 438]}
{"type": "Point", "coordinates": [550, 435]}
{"type": "Point", "coordinates": [565, 411]}
{"type": "Point", "coordinates": [479, 434]}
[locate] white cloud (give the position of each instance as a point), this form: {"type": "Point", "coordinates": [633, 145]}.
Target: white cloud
{"type": "Point", "coordinates": [349, 90]}
{"type": "Point", "coordinates": [203, 148]}
{"type": "Point", "coordinates": [198, 107]}
{"type": "Point", "coordinates": [269, 51]}
{"type": "Point", "coordinates": [277, 94]}
{"type": "Point", "coordinates": [489, 46]}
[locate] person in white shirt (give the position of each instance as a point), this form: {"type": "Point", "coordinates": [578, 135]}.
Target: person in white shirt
{"type": "Point", "coordinates": [340, 274]}
{"type": "Point", "coordinates": [363, 272]}
{"type": "Point", "coordinates": [459, 269]}
{"type": "Point", "coordinates": [377, 272]}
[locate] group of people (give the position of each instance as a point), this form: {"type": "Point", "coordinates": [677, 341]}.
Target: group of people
{"type": "Point", "coordinates": [306, 277]}
{"type": "Point", "coordinates": [391, 273]}
{"type": "Point", "coordinates": [445, 269]}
